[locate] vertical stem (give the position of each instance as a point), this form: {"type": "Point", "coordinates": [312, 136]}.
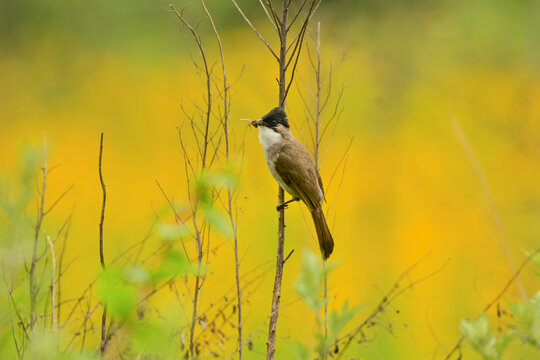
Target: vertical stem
{"type": "Point", "coordinates": [229, 192]}
{"type": "Point", "coordinates": [197, 289]}
{"type": "Point", "coordinates": [325, 307]}
{"type": "Point", "coordinates": [318, 115]}
{"type": "Point", "coordinates": [207, 140]}
{"type": "Point", "coordinates": [103, 342]}
{"type": "Point", "coordinates": [280, 261]}
{"type": "Point", "coordinates": [502, 237]}
{"type": "Point", "coordinates": [54, 323]}
{"type": "Point", "coordinates": [238, 288]}
{"type": "Point", "coordinates": [317, 145]}
{"type": "Point", "coordinates": [32, 272]}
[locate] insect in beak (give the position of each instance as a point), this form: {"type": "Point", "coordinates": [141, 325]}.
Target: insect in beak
{"type": "Point", "coordinates": [256, 123]}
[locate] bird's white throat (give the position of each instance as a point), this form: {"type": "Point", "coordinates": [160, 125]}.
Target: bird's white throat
{"type": "Point", "coordinates": [268, 137]}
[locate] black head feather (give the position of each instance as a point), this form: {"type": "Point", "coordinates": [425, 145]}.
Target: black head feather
{"type": "Point", "coordinates": [274, 117]}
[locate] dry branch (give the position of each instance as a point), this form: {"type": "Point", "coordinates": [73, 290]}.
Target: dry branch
{"type": "Point", "coordinates": [103, 339]}
{"type": "Point", "coordinates": [343, 343]}
{"type": "Point", "coordinates": [496, 299]}
{"type": "Point", "coordinates": [34, 289]}
{"type": "Point", "coordinates": [54, 319]}
{"type": "Point", "coordinates": [502, 239]}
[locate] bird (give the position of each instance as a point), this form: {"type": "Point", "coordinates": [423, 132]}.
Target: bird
{"type": "Point", "coordinates": [292, 167]}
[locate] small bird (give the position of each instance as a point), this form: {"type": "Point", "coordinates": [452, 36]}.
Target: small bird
{"type": "Point", "coordinates": [292, 167]}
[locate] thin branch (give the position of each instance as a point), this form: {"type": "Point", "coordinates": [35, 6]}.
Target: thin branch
{"type": "Point", "coordinates": [177, 219]}
{"type": "Point", "coordinates": [496, 299]}
{"type": "Point", "coordinates": [208, 81]}
{"type": "Point", "coordinates": [297, 50]}
{"type": "Point", "coordinates": [502, 240]}
{"type": "Point", "coordinates": [272, 18]}
{"type": "Point", "coordinates": [54, 319]}
{"type": "Point", "coordinates": [280, 261]}
{"type": "Point", "coordinates": [103, 343]}
{"type": "Point", "coordinates": [255, 29]}
{"type": "Point", "coordinates": [297, 14]}
{"type": "Point", "coordinates": [31, 275]}
{"type": "Point", "coordinates": [229, 192]}
{"type": "Point", "coordinates": [58, 200]}
{"type": "Point", "coordinates": [387, 300]}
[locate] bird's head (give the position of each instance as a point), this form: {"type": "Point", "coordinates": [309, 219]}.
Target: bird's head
{"type": "Point", "coordinates": [273, 119]}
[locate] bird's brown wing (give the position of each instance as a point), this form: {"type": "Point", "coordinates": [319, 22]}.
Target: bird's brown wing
{"type": "Point", "coordinates": [296, 169]}
{"type": "Point", "coordinates": [321, 185]}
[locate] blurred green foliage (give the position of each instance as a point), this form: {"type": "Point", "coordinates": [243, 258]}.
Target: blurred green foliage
{"type": "Point", "coordinates": [480, 335]}
{"type": "Point", "coordinates": [412, 61]}
{"type": "Point", "coordinates": [310, 287]}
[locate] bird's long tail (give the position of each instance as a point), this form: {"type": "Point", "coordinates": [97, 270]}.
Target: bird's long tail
{"type": "Point", "coordinates": [326, 242]}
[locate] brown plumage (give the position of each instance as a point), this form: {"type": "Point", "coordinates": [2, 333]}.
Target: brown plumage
{"type": "Point", "coordinates": [292, 167]}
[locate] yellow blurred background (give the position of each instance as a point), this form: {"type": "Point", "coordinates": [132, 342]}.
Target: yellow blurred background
{"type": "Point", "coordinates": [411, 71]}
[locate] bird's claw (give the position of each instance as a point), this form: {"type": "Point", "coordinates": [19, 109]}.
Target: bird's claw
{"type": "Point", "coordinates": [281, 207]}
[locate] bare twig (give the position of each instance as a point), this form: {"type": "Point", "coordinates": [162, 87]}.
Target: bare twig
{"type": "Point", "coordinates": [255, 29]}
{"type": "Point", "coordinates": [201, 229]}
{"type": "Point", "coordinates": [280, 261]}
{"type": "Point", "coordinates": [58, 199]}
{"type": "Point", "coordinates": [103, 342]}
{"type": "Point", "coordinates": [60, 269]}
{"type": "Point", "coordinates": [502, 238]}
{"type": "Point", "coordinates": [316, 153]}
{"type": "Point", "coordinates": [54, 319]}
{"type": "Point", "coordinates": [318, 113]}
{"type": "Point", "coordinates": [229, 208]}
{"type": "Point", "coordinates": [13, 308]}
{"type": "Point", "coordinates": [396, 291]}
{"type": "Point", "coordinates": [297, 14]}
{"type": "Point", "coordinates": [272, 18]}
{"type": "Point", "coordinates": [299, 41]}
{"type": "Point", "coordinates": [41, 214]}
{"type": "Point", "coordinates": [208, 83]}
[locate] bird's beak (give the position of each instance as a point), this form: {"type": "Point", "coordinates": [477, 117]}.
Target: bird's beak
{"type": "Point", "coordinates": [258, 122]}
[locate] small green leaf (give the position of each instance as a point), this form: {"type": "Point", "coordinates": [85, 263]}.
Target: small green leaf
{"type": "Point", "coordinates": [504, 341]}
{"type": "Point", "coordinates": [337, 320]}
{"type": "Point", "coordinates": [309, 283]}
{"type": "Point", "coordinates": [478, 333]}
{"type": "Point", "coordinates": [535, 257]}
{"type": "Point", "coordinates": [528, 316]}
{"type": "Point", "coordinates": [174, 264]}
{"type": "Point", "coordinates": [153, 339]}
{"type": "Point", "coordinates": [300, 351]}
{"type": "Point", "coordinates": [323, 344]}
{"type": "Point", "coordinates": [119, 296]}
{"type": "Point", "coordinates": [137, 274]}
{"type": "Point", "coordinates": [172, 231]}
{"type": "Point", "coordinates": [219, 222]}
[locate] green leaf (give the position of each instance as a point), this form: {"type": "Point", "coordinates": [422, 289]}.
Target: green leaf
{"type": "Point", "coordinates": [535, 258]}
{"type": "Point", "coordinates": [479, 334]}
{"type": "Point", "coordinates": [172, 231]}
{"type": "Point", "coordinates": [528, 316]}
{"type": "Point", "coordinates": [137, 274]}
{"type": "Point", "coordinates": [119, 296]}
{"type": "Point", "coordinates": [300, 351]}
{"type": "Point", "coordinates": [174, 264]}
{"type": "Point", "coordinates": [337, 320]}
{"type": "Point", "coordinates": [504, 341]}
{"type": "Point", "coordinates": [219, 222]}
{"type": "Point", "coordinates": [309, 283]}
{"type": "Point", "coordinates": [153, 339]}
{"type": "Point", "coordinates": [322, 345]}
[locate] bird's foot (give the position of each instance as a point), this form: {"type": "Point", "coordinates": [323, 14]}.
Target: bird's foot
{"type": "Point", "coordinates": [282, 206]}
{"type": "Point", "coordinates": [285, 204]}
